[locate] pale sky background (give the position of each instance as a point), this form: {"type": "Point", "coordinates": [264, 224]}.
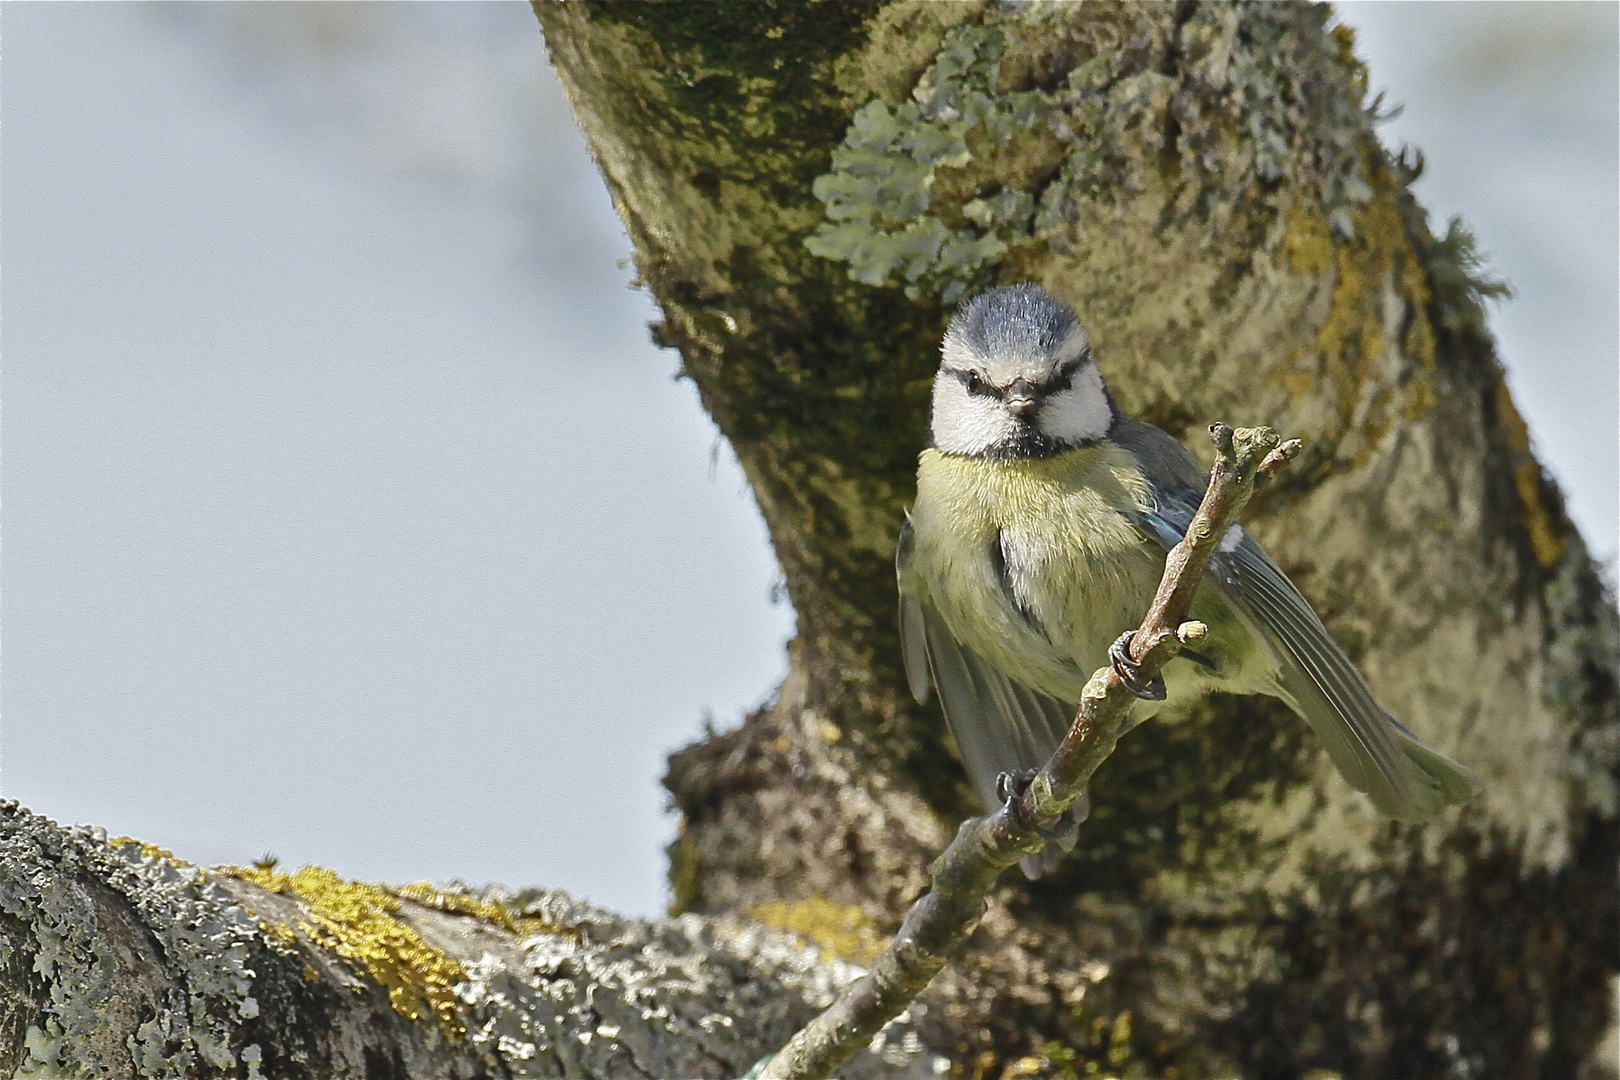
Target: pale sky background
{"type": "Point", "coordinates": [349, 513]}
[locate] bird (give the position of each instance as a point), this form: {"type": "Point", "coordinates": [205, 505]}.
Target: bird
{"type": "Point", "coordinates": [1039, 532]}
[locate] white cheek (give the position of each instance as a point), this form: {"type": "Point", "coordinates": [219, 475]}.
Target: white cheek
{"type": "Point", "coordinates": [1080, 413]}
{"type": "Point", "coordinates": [966, 423]}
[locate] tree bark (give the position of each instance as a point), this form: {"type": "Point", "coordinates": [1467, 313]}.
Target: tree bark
{"type": "Point", "coordinates": [809, 187]}
{"type": "Point", "coordinates": [119, 961]}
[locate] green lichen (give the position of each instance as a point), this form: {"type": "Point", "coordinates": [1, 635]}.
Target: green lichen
{"type": "Point", "coordinates": [1107, 1054]}
{"type": "Point", "coordinates": [685, 888]}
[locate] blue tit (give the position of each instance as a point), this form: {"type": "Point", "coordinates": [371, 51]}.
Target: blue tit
{"type": "Point", "coordinates": [1042, 521]}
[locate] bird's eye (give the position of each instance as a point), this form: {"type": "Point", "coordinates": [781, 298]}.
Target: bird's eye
{"type": "Point", "coordinates": [973, 382]}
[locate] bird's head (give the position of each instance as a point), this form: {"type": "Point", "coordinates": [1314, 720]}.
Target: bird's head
{"type": "Point", "coordinates": [1016, 379]}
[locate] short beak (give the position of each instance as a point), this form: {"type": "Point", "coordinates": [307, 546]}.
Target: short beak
{"type": "Point", "coordinates": [1022, 399]}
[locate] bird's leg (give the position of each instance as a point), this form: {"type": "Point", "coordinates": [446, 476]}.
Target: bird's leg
{"type": "Point", "coordinates": [1119, 654]}
{"type": "Point", "coordinates": [1010, 788]}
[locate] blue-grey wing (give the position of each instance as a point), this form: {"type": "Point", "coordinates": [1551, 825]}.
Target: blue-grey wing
{"type": "Point", "coordinates": [1404, 777]}
{"type": "Point", "coordinates": [999, 724]}
{"type": "Point", "coordinates": [913, 639]}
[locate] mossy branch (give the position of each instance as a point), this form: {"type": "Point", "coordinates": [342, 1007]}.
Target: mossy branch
{"type": "Point", "coordinates": [986, 846]}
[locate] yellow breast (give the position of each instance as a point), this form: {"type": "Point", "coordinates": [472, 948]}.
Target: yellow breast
{"type": "Point", "coordinates": [1065, 524]}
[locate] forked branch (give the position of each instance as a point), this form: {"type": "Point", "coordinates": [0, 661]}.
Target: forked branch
{"type": "Point", "coordinates": [985, 846]}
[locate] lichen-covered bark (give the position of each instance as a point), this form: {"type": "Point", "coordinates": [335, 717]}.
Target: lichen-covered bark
{"type": "Point", "coordinates": [808, 187]}
{"type": "Point", "coordinates": [118, 961]}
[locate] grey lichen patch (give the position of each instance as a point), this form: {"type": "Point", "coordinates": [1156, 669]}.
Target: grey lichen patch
{"type": "Point", "coordinates": [923, 193]}
{"type": "Point", "coordinates": [624, 995]}
{"type": "Point", "coordinates": [1583, 647]}
{"type": "Point", "coordinates": [117, 961]}
{"type": "Point", "coordinates": [160, 988]}
{"type": "Point", "coordinates": [881, 187]}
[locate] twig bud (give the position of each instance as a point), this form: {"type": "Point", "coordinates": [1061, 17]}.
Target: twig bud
{"type": "Point", "coordinates": [1191, 632]}
{"type": "Point", "coordinates": [1279, 457]}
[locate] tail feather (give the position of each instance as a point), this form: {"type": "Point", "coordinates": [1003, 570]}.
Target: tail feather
{"type": "Point", "coordinates": [1455, 783]}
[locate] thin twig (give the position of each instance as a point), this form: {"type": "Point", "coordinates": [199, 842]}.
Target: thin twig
{"type": "Point", "coordinates": [985, 846]}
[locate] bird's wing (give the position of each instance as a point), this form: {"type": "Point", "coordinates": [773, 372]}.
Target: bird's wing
{"type": "Point", "coordinates": [999, 724]}
{"type": "Point", "coordinates": [913, 638]}
{"type": "Point", "coordinates": [1404, 777]}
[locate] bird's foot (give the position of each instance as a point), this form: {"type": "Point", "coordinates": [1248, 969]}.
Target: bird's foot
{"type": "Point", "coordinates": [1010, 788]}
{"type": "Point", "coordinates": [1119, 654]}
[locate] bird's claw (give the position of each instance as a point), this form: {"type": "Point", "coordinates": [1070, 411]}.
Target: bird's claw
{"type": "Point", "coordinates": [1119, 655]}
{"type": "Point", "coordinates": [1010, 788]}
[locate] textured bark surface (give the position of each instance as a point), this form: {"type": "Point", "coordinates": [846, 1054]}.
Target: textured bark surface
{"type": "Point", "coordinates": [116, 960]}
{"type": "Point", "coordinates": [808, 188]}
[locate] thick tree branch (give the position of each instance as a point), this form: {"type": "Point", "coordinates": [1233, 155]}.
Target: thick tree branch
{"type": "Point", "coordinates": [986, 846]}
{"type": "Point", "coordinates": [118, 960]}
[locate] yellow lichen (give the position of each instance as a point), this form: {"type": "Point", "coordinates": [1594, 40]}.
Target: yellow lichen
{"type": "Point", "coordinates": [151, 851]}
{"type": "Point", "coordinates": [1544, 540]}
{"type": "Point", "coordinates": [1119, 1040]}
{"type": "Point", "coordinates": [1023, 1067]}
{"type": "Point", "coordinates": [842, 930]}
{"type": "Point", "coordinates": [1377, 256]}
{"type": "Point", "coordinates": [359, 923]}
{"type": "Point", "coordinates": [981, 1065]}
{"type": "Point", "coordinates": [1344, 37]}
{"type": "Point", "coordinates": [1307, 241]}
{"type": "Point", "coordinates": [279, 931]}
{"type": "Point", "coordinates": [685, 887]}
{"type": "Point", "coordinates": [423, 893]}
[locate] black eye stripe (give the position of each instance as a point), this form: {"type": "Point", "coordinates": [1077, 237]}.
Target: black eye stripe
{"type": "Point", "coordinates": [975, 383]}
{"type": "Point", "coordinates": [1065, 375]}
{"type": "Point", "coordinates": [1061, 381]}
